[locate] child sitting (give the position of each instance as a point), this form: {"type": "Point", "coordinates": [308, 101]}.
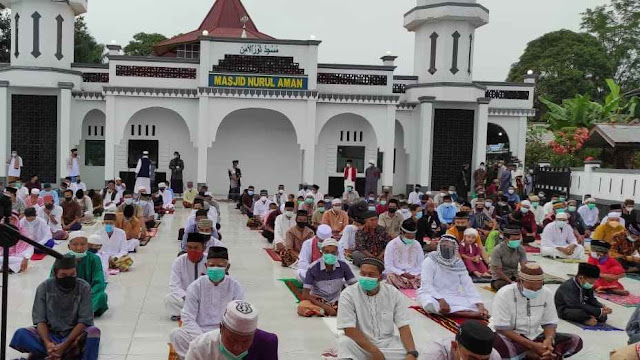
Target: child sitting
{"type": "Point", "coordinates": [610, 269]}
{"type": "Point", "coordinates": [470, 252]}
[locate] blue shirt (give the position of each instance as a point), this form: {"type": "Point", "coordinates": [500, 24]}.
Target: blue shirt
{"type": "Point", "coordinates": [328, 284]}
{"type": "Point", "coordinates": [53, 193]}
{"type": "Point", "coordinates": [446, 214]}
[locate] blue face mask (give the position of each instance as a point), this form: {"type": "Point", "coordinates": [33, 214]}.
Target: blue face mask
{"type": "Point", "coordinates": [367, 283]}
{"type": "Point", "coordinates": [419, 215]}
{"type": "Point", "coordinates": [108, 228]}
{"type": "Point", "coordinates": [530, 294]}
{"type": "Point", "coordinates": [250, 193]}
{"type": "Point", "coordinates": [407, 241]}
{"type": "Point", "coordinates": [227, 354]}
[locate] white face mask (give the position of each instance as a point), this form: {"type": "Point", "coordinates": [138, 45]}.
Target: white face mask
{"type": "Point", "coordinates": [632, 239]}
{"type": "Point", "coordinates": [630, 208]}
{"type": "Point", "coordinates": [128, 201]}
{"type": "Point", "coordinates": [281, 191]}
{"type": "Point", "coordinates": [595, 255]}
{"type": "Point", "coordinates": [288, 214]}
{"type": "Point", "coordinates": [511, 191]}
{"type": "Point", "coordinates": [263, 198]}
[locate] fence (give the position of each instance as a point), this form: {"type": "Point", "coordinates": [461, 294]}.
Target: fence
{"type": "Point", "coordinates": [552, 180]}
{"type": "Point", "coordinates": [605, 185]}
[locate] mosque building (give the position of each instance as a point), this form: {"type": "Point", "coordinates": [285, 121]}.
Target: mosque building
{"type": "Point", "coordinates": [228, 91]}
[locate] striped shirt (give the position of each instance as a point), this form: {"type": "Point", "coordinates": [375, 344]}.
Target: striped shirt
{"type": "Point", "coordinates": [328, 284]}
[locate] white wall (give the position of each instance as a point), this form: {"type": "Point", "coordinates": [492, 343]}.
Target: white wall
{"type": "Point", "coordinates": [614, 185]}
{"type": "Point", "coordinates": [400, 176]}
{"type": "Point", "coordinates": [93, 176]}
{"type": "Point", "coordinates": [264, 141]}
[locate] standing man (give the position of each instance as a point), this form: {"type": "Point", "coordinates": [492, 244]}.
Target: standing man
{"type": "Point", "coordinates": [15, 165]}
{"type": "Point", "coordinates": [350, 175]}
{"type": "Point", "coordinates": [480, 175]}
{"type": "Point", "coordinates": [235, 175]}
{"type": "Point", "coordinates": [73, 168]}
{"type": "Point", "coordinates": [372, 175]}
{"type": "Point", "coordinates": [506, 178]}
{"type": "Point", "coordinates": [177, 166]}
{"type": "Point", "coordinates": [143, 173]}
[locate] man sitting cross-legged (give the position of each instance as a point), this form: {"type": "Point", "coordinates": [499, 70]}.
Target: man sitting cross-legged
{"type": "Point", "coordinates": [206, 301]}
{"type": "Point", "coordinates": [311, 251]}
{"type": "Point", "coordinates": [575, 299]}
{"type": "Point", "coordinates": [610, 269]}
{"type": "Point", "coordinates": [403, 258]}
{"type": "Point", "coordinates": [63, 318]}
{"type": "Point", "coordinates": [324, 281]}
{"type": "Point", "coordinates": [559, 241]}
{"type": "Point", "coordinates": [186, 269]}
{"type": "Point", "coordinates": [114, 244]}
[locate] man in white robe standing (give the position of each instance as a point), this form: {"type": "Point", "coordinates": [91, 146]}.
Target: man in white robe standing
{"type": "Point", "coordinates": [143, 173]}
{"type": "Point", "coordinates": [186, 269]}
{"type": "Point", "coordinates": [559, 241]}
{"type": "Point", "coordinates": [206, 301]}
{"type": "Point", "coordinates": [15, 166]}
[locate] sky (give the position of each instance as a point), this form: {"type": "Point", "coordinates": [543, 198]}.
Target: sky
{"type": "Point", "coordinates": [351, 31]}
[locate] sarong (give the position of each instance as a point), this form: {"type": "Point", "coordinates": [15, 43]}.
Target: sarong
{"type": "Point", "coordinates": [566, 345]}
{"type": "Point", "coordinates": [86, 346]}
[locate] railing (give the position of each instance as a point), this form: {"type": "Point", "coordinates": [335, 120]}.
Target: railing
{"type": "Point", "coordinates": [352, 79]}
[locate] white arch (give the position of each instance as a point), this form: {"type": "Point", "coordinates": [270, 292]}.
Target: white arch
{"type": "Point", "coordinates": [273, 111]}
{"type": "Point", "coordinates": [324, 124]}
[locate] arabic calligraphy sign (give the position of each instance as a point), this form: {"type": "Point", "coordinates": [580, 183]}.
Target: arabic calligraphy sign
{"type": "Point", "coordinates": [258, 82]}
{"type": "Point", "coordinates": [258, 49]}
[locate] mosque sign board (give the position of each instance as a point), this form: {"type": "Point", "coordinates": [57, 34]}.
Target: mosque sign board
{"type": "Point", "coordinates": [258, 81]}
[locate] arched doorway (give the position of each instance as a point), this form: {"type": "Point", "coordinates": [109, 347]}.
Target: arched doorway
{"type": "Point", "coordinates": [399, 161]}
{"type": "Point", "coordinates": [160, 131]}
{"type": "Point", "coordinates": [345, 136]}
{"type": "Point", "coordinates": [497, 144]}
{"type": "Point", "coordinates": [92, 148]}
{"type": "Point", "coordinates": [265, 143]}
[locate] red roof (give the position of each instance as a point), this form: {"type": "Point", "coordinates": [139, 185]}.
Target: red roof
{"type": "Point", "coordinates": [223, 20]}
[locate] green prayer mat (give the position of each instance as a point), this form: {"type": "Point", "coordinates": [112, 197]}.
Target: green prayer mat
{"type": "Point", "coordinates": [294, 286]}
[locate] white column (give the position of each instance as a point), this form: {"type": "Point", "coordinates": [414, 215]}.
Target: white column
{"type": "Point", "coordinates": [5, 135]}
{"type": "Point", "coordinates": [203, 139]}
{"type": "Point", "coordinates": [308, 144]}
{"type": "Point", "coordinates": [109, 138]}
{"type": "Point", "coordinates": [65, 129]}
{"type": "Point", "coordinates": [389, 141]}
{"type": "Point", "coordinates": [522, 138]}
{"type": "Point", "coordinates": [480, 138]}
{"type": "Point", "coordinates": [426, 140]}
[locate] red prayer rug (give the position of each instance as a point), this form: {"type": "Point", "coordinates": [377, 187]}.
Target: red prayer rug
{"type": "Point", "coordinates": [410, 293]}
{"type": "Point", "coordinates": [272, 253]}
{"type": "Point", "coordinates": [531, 249]}
{"type": "Point", "coordinates": [294, 286]}
{"type": "Point", "coordinates": [451, 323]}
{"type": "Point", "coordinates": [38, 257]}
{"type": "Point", "coordinates": [627, 301]}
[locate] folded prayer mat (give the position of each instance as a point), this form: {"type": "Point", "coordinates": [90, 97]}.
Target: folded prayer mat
{"type": "Point", "coordinates": [451, 323]}
{"type": "Point", "coordinates": [294, 286]}
{"type": "Point", "coordinates": [272, 253]}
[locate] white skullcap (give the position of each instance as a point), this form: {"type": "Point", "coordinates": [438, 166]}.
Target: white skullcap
{"type": "Point", "coordinates": [96, 239]}
{"type": "Point", "coordinates": [240, 317]}
{"type": "Point", "coordinates": [207, 193]}
{"type": "Point", "coordinates": [525, 202]}
{"type": "Point", "coordinates": [372, 162]}
{"type": "Point", "coordinates": [471, 231]}
{"type": "Point", "coordinates": [77, 234]}
{"type": "Point", "coordinates": [562, 216]}
{"type": "Point", "coordinates": [330, 242]}
{"type": "Point", "coordinates": [118, 179]}
{"type": "Point", "coordinates": [145, 152]}
{"type": "Point", "coordinates": [590, 200]}
{"type": "Point", "coordinates": [323, 232]}
{"type": "Point", "coordinates": [35, 191]}
{"type": "Point", "coordinates": [162, 185]}
{"type": "Point", "coordinates": [614, 214]}
{"type": "Point", "coordinates": [336, 201]}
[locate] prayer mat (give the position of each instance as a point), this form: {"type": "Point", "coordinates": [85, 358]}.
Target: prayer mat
{"type": "Point", "coordinates": [633, 276]}
{"type": "Point", "coordinates": [451, 323]}
{"type": "Point", "coordinates": [145, 241]}
{"type": "Point", "coordinates": [272, 253]}
{"type": "Point", "coordinates": [531, 249]}
{"type": "Point", "coordinates": [38, 257]}
{"type": "Point", "coordinates": [598, 327]}
{"type": "Point", "coordinates": [551, 280]}
{"type": "Point", "coordinates": [489, 288]}
{"type": "Point", "coordinates": [410, 293]}
{"type": "Point", "coordinates": [294, 286]}
{"type": "Point", "coordinates": [480, 280]}
{"type": "Point", "coordinates": [172, 353]}
{"type": "Point", "coordinates": [626, 301]}
{"type": "Point", "coordinates": [331, 353]}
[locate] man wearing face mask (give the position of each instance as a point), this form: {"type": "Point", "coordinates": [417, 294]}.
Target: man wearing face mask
{"type": "Point", "coordinates": [625, 248]}
{"type": "Point", "coordinates": [132, 226]}
{"type": "Point", "coordinates": [189, 195]}
{"type": "Point", "coordinates": [350, 175]}
{"type": "Point", "coordinates": [127, 196]}
{"type": "Point", "coordinates": [336, 218]}
{"type": "Point", "coordinates": [52, 215]}
{"type": "Point", "coordinates": [71, 213]}
{"type": "Point", "coordinates": [62, 315]}
{"type": "Point", "coordinates": [610, 269]}
{"type": "Point", "coordinates": [589, 212]}
{"type": "Point", "coordinates": [176, 165]}
{"type": "Point", "coordinates": [559, 241]}
{"type": "Point", "coordinates": [520, 311]}
{"type": "Point", "coordinates": [371, 239]}
{"type": "Point", "coordinates": [403, 258]}
{"type": "Point", "coordinates": [237, 338]}
{"type": "Point", "coordinates": [86, 206]}
{"type": "Point", "coordinates": [369, 314]}
{"type": "Point", "coordinates": [295, 237]}
{"type": "Point", "coordinates": [115, 247]}
{"type": "Point", "coordinates": [261, 207]}
{"type": "Point", "coordinates": [391, 220]}
{"type": "Point", "coordinates": [446, 211]}
{"type": "Point", "coordinates": [15, 165]}
{"type": "Point", "coordinates": [73, 167]}
{"type": "Point", "coordinates": [528, 222]}
{"type": "Point", "coordinates": [311, 250]}
{"type": "Point", "coordinates": [167, 197]}
{"type": "Point", "coordinates": [247, 201]}
{"type": "Point", "coordinates": [186, 269]}
{"type": "Point", "coordinates": [284, 222]}
{"type": "Point", "coordinates": [480, 175]}
{"type": "Point", "coordinates": [325, 279]}
{"type": "Point", "coordinates": [280, 197]}
{"type": "Point", "coordinates": [206, 300]}
{"type": "Point", "coordinates": [474, 341]}
{"type": "Point", "coordinates": [537, 210]}
{"type": "Point", "coordinates": [575, 298]}
{"type": "Point", "coordinates": [630, 215]}
{"type": "Point", "coordinates": [36, 229]}
{"type": "Point", "coordinates": [350, 196]}
{"type": "Point", "coordinates": [372, 175]}
{"type": "Point", "coordinates": [89, 269]}
{"type": "Point", "coordinates": [506, 258]}
{"type": "Point", "coordinates": [512, 197]}
{"type": "Point", "coordinates": [610, 229]}
{"type": "Point", "coordinates": [414, 196]}
{"type": "Point", "coordinates": [143, 172]}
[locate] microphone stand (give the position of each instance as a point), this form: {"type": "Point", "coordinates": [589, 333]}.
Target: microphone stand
{"type": "Point", "coordinates": [9, 236]}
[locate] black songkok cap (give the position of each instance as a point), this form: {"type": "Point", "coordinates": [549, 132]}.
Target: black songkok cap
{"type": "Point", "coordinates": [12, 190]}
{"type": "Point", "coordinates": [476, 337]}
{"type": "Point", "coordinates": [600, 246]}
{"type": "Point", "coordinates": [615, 207]}
{"type": "Point", "coordinates": [512, 229]}
{"type": "Point", "coordinates": [66, 262]}
{"type": "Point", "coordinates": [462, 215]}
{"type": "Point", "coordinates": [375, 262]}
{"type": "Point", "coordinates": [110, 216]}
{"type": "Point", "coordinates": [218, 252]}
{"type": "Point", "coordinates": [195, 237]}
{"type": "Point", "coordinates": [409, 226]}
{"type": "Point", "coordinates": [589, 270]}
{"type": "Point", "coordinates": [289, 204]}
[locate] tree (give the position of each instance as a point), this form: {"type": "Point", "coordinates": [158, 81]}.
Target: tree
{"type": "Point", "coordinates": [568, 63]}
{"type": "Point", "coordinates": [87, 50]}
{"type": "Point", "coordinates": [5, 35]}
{"type": "Point", "coordinates": [617, 27]}
{"type": "Point", "coordinates": [143, 43]}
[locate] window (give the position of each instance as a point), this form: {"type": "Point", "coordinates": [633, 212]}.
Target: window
{"type": "Point", "coordinates": [188, 51]}
{"type": "Point", "coordinates": [136, 147]}
{"type": "Point", "coordinates": [94, 150]}
{"type": "Point", "coordinates": [355, 153]}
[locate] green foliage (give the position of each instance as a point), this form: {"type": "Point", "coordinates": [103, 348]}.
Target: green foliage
{"type": "Point", "coordinates": [568, 63]}
{"type": "Point", "coordinates": [537, 149]}
{"type": "Point", "coordinates": [5, 35]}
{"type": "Point", "coordinates": [617, 28]}
{"type": "Point", "coordinates": [143, 43]}
{"type": "Point", "coordinates": [87, 50]}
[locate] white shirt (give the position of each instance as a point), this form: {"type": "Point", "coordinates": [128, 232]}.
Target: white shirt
{"type": "Point", "coordinates": [15, 172]}
{"type": "Point", "coordinates": [106, 198]}
{"type": "Point", "coordinates": [400, 258]}
{"type": "Point", "coordinates": [457, 289]}
{"type": "Point", "coordinates": [590, 216]}
{"type": "Point", "coordinates": [510, 309]}
{"type": "Point", "coordinates": [304, 258]}
{"type": "Point", "coordinates": [261, 207]}
{"type": "Point", "coordinates": [57, 215]}
{"type": "Point", "coordinates": [303, 193]}
{"type": "Point", "coordinates": [206, 303]}
{"type": "Point", "coordinates": [81, 186]}
{"type": "Point", "coordinates": [376, 316]}
{"type": "Point", "coordinates": [553, 236]}
{"type": "Point", "coordinates": [22, 193]}
{"type": "Point", "coordinates": [283, 223]}
{"type": "Point", "coordinates": [114, 246]}
{"type": "Point", "coordinates": [440, 349]}
{"type": "Point", "coordinates": [538, 212]}
{"type": "Point", "coordinates": [348, 239]}
{"type": "Point", "coordinates": [548, 208]}
{"type": "Point", "coordinates": [206, 347]}
{"type": "Point", "coordinates": [74, 169]}
{"type": "Point", "coordinates": [317, 196]}
{"type": "Point", "coordinates": [37, 230]}
{"type": "Point", "coordinates": [414, 197]}
{"type": "Point", "coordinates": [184, 272]}
{"type": "Point", "coordinates": [167, 197]}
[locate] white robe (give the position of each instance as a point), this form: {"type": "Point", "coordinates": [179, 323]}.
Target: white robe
{"type": "Point", "coordinates": [15, 261]}
{"type": "Point", "coordinates": [261, 208]}
{"type": "Point", "coordinates": [37, 230]}
{"type": "Point", "coordinates": [554, 237]}
{"type": "Point", "coordinates": [115, 246]}
{"type": "Point", "coordinates": [456, 289]}
{"type": "Point", "coordinates": [167, 199]}
{"type": "Point", "coordinates": [183, 273]}
{"type": "Point", "coordinates": [304, 258]}
{"type": "Point", "coordinates": [280, 228]}
{"type": "Point", "coordinates": [204, 306]}
{"type": "Point", "coordinates": [206, 347]}
{"type": "Point", "coordinates": [15, 172]}
{"type": "Point", "coordinates": [348, 239]}
{"type": "Point", "coordinates": [57, 215]}
{"type": "Point", "coordinates": [400, 258]}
